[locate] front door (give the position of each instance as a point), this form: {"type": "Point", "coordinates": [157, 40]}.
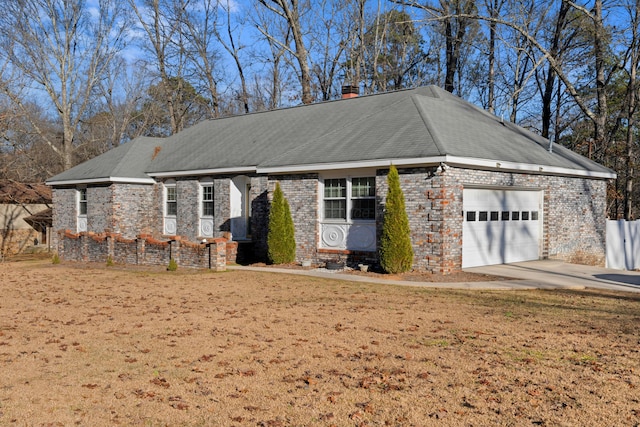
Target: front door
{"type": "Point", "coordinates": [240, 207]}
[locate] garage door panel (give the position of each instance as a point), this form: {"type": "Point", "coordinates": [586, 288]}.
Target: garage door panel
{"type": "Point", "coordinates": [500, 226]}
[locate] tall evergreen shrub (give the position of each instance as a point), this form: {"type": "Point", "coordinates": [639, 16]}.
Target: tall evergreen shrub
{"type": "Point", "coordinates": [396, 253]}
{"type": "Point", "coordinates": [281, 243]}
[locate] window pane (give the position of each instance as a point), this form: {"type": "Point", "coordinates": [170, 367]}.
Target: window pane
{"type": "Point", "coordinates": [494, 215]}
{"type": "Point", "coordinates": [534, 215]}
{"type": "Point", "coordinates": [83, 201]}
{"type": "Point", "coordinates": [171, 194]}
{"type": "Point", "coordinates": [471, 216]}
{"type": "Point", "coordinates": [515, 215]}
{"type": "Point", "coordinates": [363, 187]}
{"type": "Point", "coordinates": [207, 200]}
{"type": "Point", "coordinates": [335, 209]}
{"type": "Point", "coordinates": [363, 209]}
{"type": "Point", "coordinates": [482, 216]}
{"type": "Point", "coordinates": [525, 215]}
{"type": "Point", "coordinates": [335, 188]}
{"type": "Point", "coordinates": [207, 208]}
{"type": "Point", "coordinates": [505, 215]}
{"type": "Point", "coordinates": [172, 205]}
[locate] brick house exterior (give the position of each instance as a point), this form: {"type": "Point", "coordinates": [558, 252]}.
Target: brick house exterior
{"type": "Point", "coordinates": [331, 160]}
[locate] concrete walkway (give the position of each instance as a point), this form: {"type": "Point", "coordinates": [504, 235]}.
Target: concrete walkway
{"type": "Point", "coordinates": [545, 274]}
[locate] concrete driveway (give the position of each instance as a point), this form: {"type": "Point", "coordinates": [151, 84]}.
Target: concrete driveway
{"type": "Point", "coordinates": [549, 274]}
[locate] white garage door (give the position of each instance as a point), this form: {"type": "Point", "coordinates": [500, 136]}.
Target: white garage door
{"type": "Point", "coordinates": [500, 226]}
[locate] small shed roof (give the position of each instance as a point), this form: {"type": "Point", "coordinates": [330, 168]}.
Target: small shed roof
{"type": "Point", "coordinates": [14, 192]}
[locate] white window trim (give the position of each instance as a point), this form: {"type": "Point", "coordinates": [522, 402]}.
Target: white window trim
{"type": "Point", "coordinates": [166, 185]}
{"type": "Point", "coordinates": [349, 197]}
{"type": "Point", "coordinates": [79, 192]}
{"type": "Point", "coordinates": [207, 182]}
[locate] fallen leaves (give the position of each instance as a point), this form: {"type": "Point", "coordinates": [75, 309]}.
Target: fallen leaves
{"type": "Point", "coordinates": [257, 351]}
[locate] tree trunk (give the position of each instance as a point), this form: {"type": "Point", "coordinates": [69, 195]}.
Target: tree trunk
{"type": "Point", "coordinates": [549, 83]}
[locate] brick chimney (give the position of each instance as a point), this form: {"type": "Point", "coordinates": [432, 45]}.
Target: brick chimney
{"type": "Point", "coordinates": [349, 91]}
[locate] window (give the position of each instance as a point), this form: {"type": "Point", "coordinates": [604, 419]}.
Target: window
{"type": "Point", "coordinates": [171, 199]}
{"type": "Point", "coordinates": [482, 216]}
{"type": "Point", "coordinates": [471, 216]}
{"type": "Point", "coordinates": [515, 215]}
{"type": "Point", "coordinates": [525, 215]}
{"type": "Point", "coordinates": [494, 215]}
{"type": "Point", "coordinates": [363, 198]}
{"type": "Point", "coordinates": [350, 198]}
{"type": "Point", "coordinates": [534, 215]}
{"type": "Point", "coordinates": [207, 200]}
{"type": "Point", "coordinates": [505, 215]}
{"type": "Point", "coordinates": [335, 198]}
{"type": "Point", "coordinates": [82, 201]}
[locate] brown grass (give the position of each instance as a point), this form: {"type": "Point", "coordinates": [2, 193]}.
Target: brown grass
{"type": "Point", "coordinates": [97, 346]}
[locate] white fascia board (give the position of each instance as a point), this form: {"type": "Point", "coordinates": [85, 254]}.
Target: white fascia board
{"type": "Point", "coordinates": [468, 162]}
{"type": "Point", "coordinates": [498, 165]}
{"type": "Point", "coordinates": [102, 181]}
{"type": "Point", "coordinates": [316, 167]}
{"type": "Point", "coordinates": [242, 169]}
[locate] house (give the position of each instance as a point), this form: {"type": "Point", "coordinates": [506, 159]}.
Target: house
{"type": "Point", "coordinates": [478, 190]}
{"type": "Point", "coordinates": [25, 216]}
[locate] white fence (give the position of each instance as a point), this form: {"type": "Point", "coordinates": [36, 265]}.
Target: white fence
{"type": "Point", "coordinates": [623, 244]}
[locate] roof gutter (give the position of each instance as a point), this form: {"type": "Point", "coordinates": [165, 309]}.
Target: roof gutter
{"type": "Point", "coordinates": [110, 179]}
{"type": "Point", "coordinates": [473, 163]}
{"type": "Point", "coordinates": [499, 165]}
{"type": "Point", "coordinates": [217, 171]}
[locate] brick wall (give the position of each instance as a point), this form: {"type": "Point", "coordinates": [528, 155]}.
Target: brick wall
{"type": "Point", "coordinates": [132, 207]}
{"type": "Point", "coordinates": [260, 215]}
{"type": "Point", "coordinates": [574, 211]}
{"type": "Point", "coordinates": [145, 250]}
{"type": "Point", "coordinates": [573, 214]}
{"type": "Point", "coordinates": [301, 191]}
{"type": "Point", "coordinates": [64, 212]}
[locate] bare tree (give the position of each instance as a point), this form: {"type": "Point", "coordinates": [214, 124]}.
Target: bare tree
{"type": "Point", "coordinates": [200, 25]}
{"type": "Point", "coordinates": [159, 19]}
{"type": "Point", "coordinates": [291, 12]}
{"type": "Point", "coordinates": [63, 50]}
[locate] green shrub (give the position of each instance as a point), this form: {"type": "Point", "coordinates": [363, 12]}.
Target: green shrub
{"type": "Point", "coordinates": [109, 261]}
{"type": "Point", "coordinates": [281, 243]}
{"type": "Point", "coordinates": [173, 265]}
{"type": "Point", "coordinates": [396, 253]}
{"type": "Point", "coordinates": [55, 259]}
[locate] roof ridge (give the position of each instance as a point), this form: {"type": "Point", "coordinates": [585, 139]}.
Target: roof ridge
{"type": "Point", "coordinates": [427, 123]}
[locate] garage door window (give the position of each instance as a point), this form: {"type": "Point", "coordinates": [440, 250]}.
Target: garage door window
{"type": "Point", "coordinates": [472, 216]}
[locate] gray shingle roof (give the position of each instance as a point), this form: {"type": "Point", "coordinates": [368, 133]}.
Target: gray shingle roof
{"type": "Point", "coordinates": [126, 162]}
{"type": "Point", "coordinates": [420, 123]}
